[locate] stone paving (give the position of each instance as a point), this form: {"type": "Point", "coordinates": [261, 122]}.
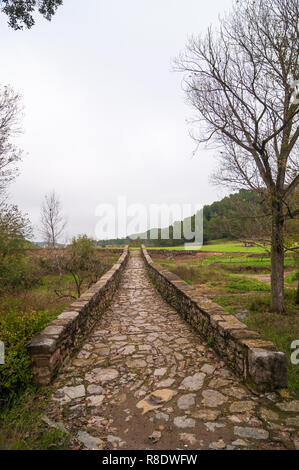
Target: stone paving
{"type": "Point", "coordinates": [145, 380]}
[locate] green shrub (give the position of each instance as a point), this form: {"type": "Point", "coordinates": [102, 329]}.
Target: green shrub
{"type": "Point", "coordinates": [201, 274]}
{"type": "Point", "coordinates": [188, 274]}
{"type": "Point", "coordinates": [16, 329]}
{"type": "Point", "coordinates": [230, 309]}
{"type": "Point", "coordinates": [290, 297]}
{"type": "Point", "coordinates": [19, 272]}
{"type": "Point", "coordinates": [246, 285]}
{"type": "Point", "coordinates": [22, 427]}
{"type": "Point", "coordinates": [259, 304]}
{"type": "Point", "coordinates": [294, 276]}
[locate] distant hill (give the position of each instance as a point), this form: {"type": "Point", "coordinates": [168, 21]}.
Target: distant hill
{"type": "Point", "coordinates": [213, 226]}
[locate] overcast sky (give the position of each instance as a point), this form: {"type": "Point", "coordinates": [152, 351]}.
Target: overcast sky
{"type": "Point", "coordinates": [105, 115]}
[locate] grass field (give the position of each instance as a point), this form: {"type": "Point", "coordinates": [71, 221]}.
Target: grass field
{"type": "Point", "coordinates": [232, 247]}
{"type": "Point", "coordinates": [222, 246]}
{"type": "Point", "coordinates": [233, 262]}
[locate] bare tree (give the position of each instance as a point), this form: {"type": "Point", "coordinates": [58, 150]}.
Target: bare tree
{"type": "Point", "coordinates": [53, 222]}
{"type": "Point", "coordinates": [241, 80]}
{"type": "Point", "coordinates": [9, 127]}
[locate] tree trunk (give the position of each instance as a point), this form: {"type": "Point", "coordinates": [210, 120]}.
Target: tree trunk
{"type": "Point", "coordinates": [277, 258]}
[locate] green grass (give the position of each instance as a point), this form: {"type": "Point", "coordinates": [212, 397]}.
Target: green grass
{"type": "Point", "coordinates": [194, 274]}
{"type": "Point", "coordinates": [232, 247]}
{"type": "Point", "coordinates": [17, 327]}
{"type": "Point", "coordinates": [22, 428]}
{"type": "Point", "coordinates": [216, 245]}
{"type": "Point", "coordinates": [239, 260]}
{"type": "Point", "coordinates": [232, 262]}
{"type": "Point", "coordinates": [171, 248]}
{"type": "Point", "coordinates": [293, 277]}
{"type": "Point", "coordinates": [216, 277]}
{"type": "Point", "coordinates": [246, 285]}
{"type": "Point", "coordinates": [47, 281]}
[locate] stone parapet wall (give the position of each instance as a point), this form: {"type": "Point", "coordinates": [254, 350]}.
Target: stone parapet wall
{"type": "Point", "coordinates": [162, 251]}
{"type": "Point", "coordinates": [52, 347]}
{"type": "Point", "coordinates": [252, 358]}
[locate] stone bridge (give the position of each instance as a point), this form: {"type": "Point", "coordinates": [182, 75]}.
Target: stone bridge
{"type": "Point", "coordinates": [144, 379]}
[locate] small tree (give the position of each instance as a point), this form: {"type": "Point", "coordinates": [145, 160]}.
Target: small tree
{"type": "Point", "coordinates": [20, 12]}
{"type": "Point", "coordinates": [15, 228]}
{"type": "Point", "coordinates": [241, 81]}
{"type": "Point", "coordinates": [81, 261]}
{"type": "Point", "coordinates": [53, 222]}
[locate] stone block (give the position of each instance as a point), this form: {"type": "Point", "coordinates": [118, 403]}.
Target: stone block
{"type": "Point", "coordinates": [68, 315]}
{"type": "Point", "coordinates": [41, 344]}
{"type": "Point", "coordinates": [267, 369]}
{"type": "Point", "coordinates": [257, 344]}
{"type": "Point", "coordinates": [244, 334]}
{"type": "Point", "coordinates": [54, 330]}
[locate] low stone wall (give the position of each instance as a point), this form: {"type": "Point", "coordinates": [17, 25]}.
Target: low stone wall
{"type": "Point", "coordinates": [53, 346]}
{"type": "Point", "coordinates": [162, 251]}
{"type": "Point", "coordinates": [252, 358]}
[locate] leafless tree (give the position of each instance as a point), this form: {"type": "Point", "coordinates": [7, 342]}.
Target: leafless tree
{"type": "Point", "coordinates": [53, 222]}
{"type": "Point", "coordinates": [9, 127]}
{"type": "Point", "coordinates": [240, 80]}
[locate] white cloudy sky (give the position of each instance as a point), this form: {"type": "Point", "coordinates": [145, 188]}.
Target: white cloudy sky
{"type": "Point", "coordinates": [104, 112]}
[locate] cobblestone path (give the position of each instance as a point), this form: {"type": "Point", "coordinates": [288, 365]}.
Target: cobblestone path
{"type": "Point", "coordinates": [145, 380]}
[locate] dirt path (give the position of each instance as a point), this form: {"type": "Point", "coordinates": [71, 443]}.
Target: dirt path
{"type": "Point", "coordinates": [144, 380]}
{"type": "Point", "coordinates": [265, 277]}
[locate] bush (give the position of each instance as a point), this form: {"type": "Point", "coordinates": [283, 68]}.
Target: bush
{"type": "Point", "coordinates": [260, 304]}
{"type": "Point", "coordinates": [290, 296]}
{"type": "Point", "coordinates": [247, 285]}
{"type": "Point", "coordinates": [294, 276]}
{"type": "Point", "coordinates": [14, 229]}
{"type": "Point", "coordinates": [19, 272]}
{"type": "Point", "coordinates": [16, 329]}
{"type": "Point", "coordinates": [200, 274]}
